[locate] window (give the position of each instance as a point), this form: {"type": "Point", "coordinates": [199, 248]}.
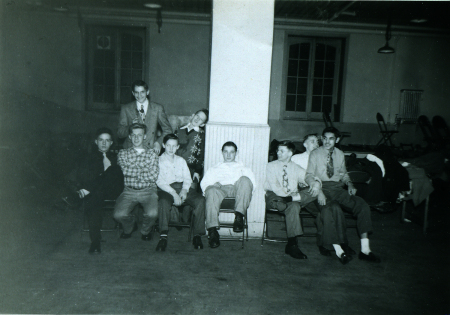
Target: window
{"type": "Point", "coordinates": [115, 58]}
{"type": "Point", "coordinates": [313, 74]}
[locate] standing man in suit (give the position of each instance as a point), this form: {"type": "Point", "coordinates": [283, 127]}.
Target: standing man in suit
{"type": "Point", "coordinates": [145, 112]}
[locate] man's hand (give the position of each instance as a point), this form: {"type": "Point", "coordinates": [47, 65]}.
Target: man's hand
{"type": "Point", "coordinates": [196, 175]}
{"type": "Point", "coordinates": [176, 200]}
{"type": "Point", "coordinates": [351, 189]}
{"type": "Point", "coordinates": [321, 199]}
{"type": "Point", "coordinates": [157, 147]}
{"type": "Point", "coordinates": [136, 120]}
{"type": "Point", "coordinates": [314, 189]}
{"type": "Point", "coordinates": [83, 193]}
{"type": "Point", "coordinates": [183, 195]}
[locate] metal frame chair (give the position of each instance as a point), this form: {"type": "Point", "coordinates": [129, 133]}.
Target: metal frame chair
{"type": "Point", "coordinates": [385, 133]}
{"type": "Point", "coordinates": [227, 207]}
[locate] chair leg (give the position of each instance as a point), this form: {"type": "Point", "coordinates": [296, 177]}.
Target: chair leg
{"type": "Point", "coordinates": [425, 220]}
{"type": "Point", "coordinates": [403, 211]}
{"type": "Point", "coordinates": [264, 228]}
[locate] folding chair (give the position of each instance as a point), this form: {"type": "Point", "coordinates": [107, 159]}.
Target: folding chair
{"type": "Point", "coordinates": [385, 133]}
{"type": "Point", "coordinates": [227, 207]}
{"type": "Point", "coordinates": [329, 123]}
{"type": "Point", "coordinates": [108, 206]}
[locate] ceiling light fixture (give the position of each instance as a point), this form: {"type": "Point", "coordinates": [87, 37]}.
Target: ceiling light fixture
{"type": "Point", "coordinates": [386, 49]}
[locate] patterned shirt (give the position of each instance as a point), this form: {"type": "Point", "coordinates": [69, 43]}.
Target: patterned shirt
{"type": "Point", "coordinates": [192, 148]}
{"type": "Point", "coordinates": [139, 170]}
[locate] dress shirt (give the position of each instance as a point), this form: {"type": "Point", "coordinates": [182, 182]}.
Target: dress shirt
{"type": "Point", "coordinates": [301, 159]}
{"type": "Point", "coordinates": [317, 166]}
{"type": "Point", "coordinates": [173, 171]}
{"type": "Point", "coordinates": [139, 170]}
{"type": "Point", "coordinates": [138, 105]}
{"type": "Point", "coordinates": [274, 177]}
{"type": "Point", "coordinates": [226, 174]}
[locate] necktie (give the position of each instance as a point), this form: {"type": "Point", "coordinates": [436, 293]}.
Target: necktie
{"type": "Point", "coordinates": [142, 112]}
{"type": "Point", "coordinates": [330, 166]}
{"type": "Point", "coordinates": [285, 180]}
{"type": "Point", "coordinates": [106, 161]}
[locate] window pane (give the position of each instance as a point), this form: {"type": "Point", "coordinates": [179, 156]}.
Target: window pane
{"type": "Point", "coordinates": [291, 85]}
{"type": "Point", "coordinates": [126, 42]}
{"type": "Point", "coordinates": [290, 103]}
{"type": "Point", "coordinates": [316, 104]}
{"type": "Point", "coordinates": [110, 77]}
{"type": "Point", "coordinates": [98, 76]}
{"type": "Point", "coordinates": [329, 69]}
{"type": "Point", "coordinates": [99, 58]}
{"type": "Point", "coordinates": [317, 86]}
{"type": "Point", "coordinates": [303, 72]}
{"type": "Point", "coordinates": [331, 53]}
{"type": "Point", "coordinates": [301, 103]}
{"type": "Point", "coordinates": [292, 68]}
{"type": "Point", "coordinates": [293, 51]}
{"type": "Point", "coordinates": [136, 75]}
{"type": "Point", "coordinates": [302, 86]}
{"type": "Point", "coordinates": [110, 59]}
{"type": "Point", "coordinates": [98, 94]}
{"type": "Point", "coordinates": [126, 59]}
{"type": "Point", "coordinates": [328, 87]}
{"type": "Point", "coordinates": [136, 42]}
{"type": "Point", "coordinates": [137, 60]}
{"type": "Point", "coordinates": [318, 69]}
{"type": "Point", "coordinates": [125, 78]}
{"type": "Point", "coordinates": [326, 105]}
{"type": "Point", "coordinates": [109, 94]}
{"type": "Point", "coordinates": [304, 50]}
{"type": "Point", "coordinates": [320, 52]}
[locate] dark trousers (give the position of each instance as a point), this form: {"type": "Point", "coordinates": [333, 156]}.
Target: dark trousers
{"type": "Point", "coordinates": [334, 191]}
{"type": "Point", "coordinates": [108, 186]}
{"type": "Point", "coordinates": [331, 225]}
{"type": "Point", "coordinates": [194, 200]}
{"type": "Point", "coordinates": [292, 211]}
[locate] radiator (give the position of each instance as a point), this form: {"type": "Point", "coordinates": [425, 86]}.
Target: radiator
{"type": "Point", "coordinates": [410, 105]}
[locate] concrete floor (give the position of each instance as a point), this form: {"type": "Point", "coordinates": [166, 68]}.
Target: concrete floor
{"type": "Point", "coordinates": [45, 268]}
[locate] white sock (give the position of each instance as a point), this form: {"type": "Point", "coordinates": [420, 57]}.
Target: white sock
{"type": "Point", "coordinates": [338, 249]}
{"type": "Point", "coordinates": [365, 248]}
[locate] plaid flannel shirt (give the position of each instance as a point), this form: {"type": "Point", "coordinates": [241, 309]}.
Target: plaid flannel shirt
{"type": "Point", "coordinates": [139, 170]}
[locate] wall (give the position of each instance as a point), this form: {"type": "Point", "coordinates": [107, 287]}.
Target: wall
{"type": "Point", "coordinates": [372, 83]}
{"type": "Point", "coordinates": [42, 77]}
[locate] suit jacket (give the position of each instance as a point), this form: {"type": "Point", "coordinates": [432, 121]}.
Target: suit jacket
{"type": "Point", "coordinates": [91, 169]}
{"type": "Point", "coordinates": [155, 115]}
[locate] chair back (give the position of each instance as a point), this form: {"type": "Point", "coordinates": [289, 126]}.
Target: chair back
{"type": "Point", "coordinates": [381, 122]}
{"type": "Point", "coordinates": [327, 119]}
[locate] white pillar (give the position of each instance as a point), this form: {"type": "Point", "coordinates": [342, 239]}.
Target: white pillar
{"type": "Point", "coordinates": [241, 57]}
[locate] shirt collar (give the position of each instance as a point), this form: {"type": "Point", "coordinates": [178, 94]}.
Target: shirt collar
{"type": "Point", "coordinates": [189, 128]}
{"type": "Point", "coordinates": [138, 105]}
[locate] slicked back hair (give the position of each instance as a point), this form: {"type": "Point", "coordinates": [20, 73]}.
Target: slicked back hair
{"type": "Point", "coordinates": [288, 144]}
{"type": "Point", "coordinates": [137, 126]}
{"type": "Point", "coordinates": [170, 136]}
{"type": "Point", "coordinates": [229, 144]}
{"type": "Point", "coordinates": [332, 130]}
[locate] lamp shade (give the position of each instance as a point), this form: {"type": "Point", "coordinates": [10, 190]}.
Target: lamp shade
{"type": "Point", "coordinates": [386, 49]}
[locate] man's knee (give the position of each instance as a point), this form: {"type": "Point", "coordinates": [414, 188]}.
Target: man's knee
{"type": "Point", "coordinates": [211, 190]}
{"type": "Point", "coordinates": [293, 207]}
{"type": "Point", "coordinates": [244, 181]}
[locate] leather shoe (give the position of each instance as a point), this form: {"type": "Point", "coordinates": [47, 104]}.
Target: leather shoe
{"type": "Point", "coordinates": [162, 244]}
{"type": "Point", "coordinates": [128, 235]}
{"type": "Point", "coordinates": [95, 249]}
{"type": "Point", "coordinates": [345, 259]}
{"type": "Point", "coordinates": [371, 257]}
{"type": "Point", "coordinates": [214, 238]}
{"type": "Point", "coordinates": [324, 251]}
{"type": "Point", "coordinates": [197, 242]}
{"type": "Point", "coordinates": [347, 249]}
{"type": "Point", "coordinates": [147, 237]}
{"type": "Point", "coordinates": [238, 225]}
{"type": "Point", "coordinates": [294, 251]}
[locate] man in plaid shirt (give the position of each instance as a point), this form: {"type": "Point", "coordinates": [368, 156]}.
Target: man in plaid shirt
{"type": "Point", "coordinates": [140, 168]}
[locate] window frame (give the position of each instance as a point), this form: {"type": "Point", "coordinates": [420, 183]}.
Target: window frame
{"type": "Point", "coordinates": [338, 84]}
{"type": "Point", "coordinates": [87, 75]}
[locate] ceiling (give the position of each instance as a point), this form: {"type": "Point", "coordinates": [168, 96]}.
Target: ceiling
{"type": "Point", "coordinates": [434, 14]}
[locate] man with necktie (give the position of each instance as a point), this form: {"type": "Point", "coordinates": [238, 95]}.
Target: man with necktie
{"type": "Point", "coordinates": [99, 178]}
{"type": "Point", "coordinates": [145, 112]}
{"type": "Point", "coordinates": [328, 164]}
{"type": "Point", "coordinates": [283, 178]}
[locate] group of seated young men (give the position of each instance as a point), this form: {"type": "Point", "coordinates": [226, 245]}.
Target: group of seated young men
{"type": "Point", "coordinates": [140, 176]}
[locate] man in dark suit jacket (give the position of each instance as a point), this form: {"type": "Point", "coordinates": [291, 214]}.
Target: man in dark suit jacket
{"type": "Point", "coordinates": [99, 178]}
{"type": "Point", "coordinates": [143, 111]}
